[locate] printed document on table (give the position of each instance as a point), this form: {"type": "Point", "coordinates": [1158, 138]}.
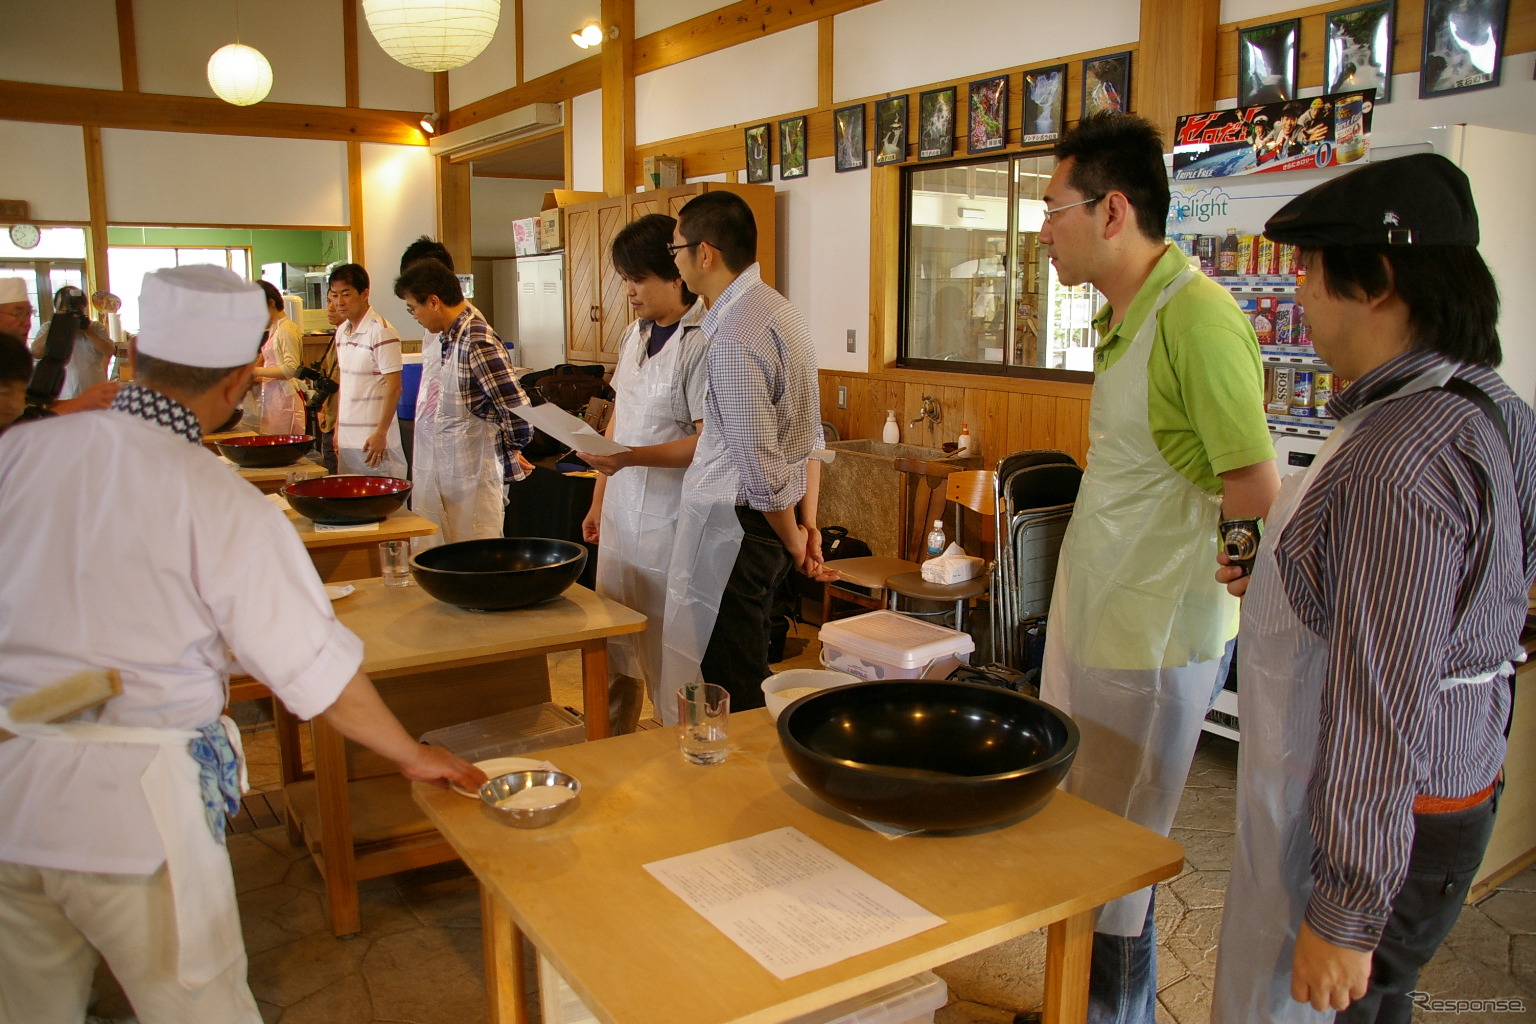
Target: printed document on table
{"type": "Point", "coordinates": [790, 902]}
{"type": "Point", "coordinates": [568, 430]}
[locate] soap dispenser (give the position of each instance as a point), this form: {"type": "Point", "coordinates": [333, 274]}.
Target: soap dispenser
{"type": "Point", "coordinates": [892, 432]}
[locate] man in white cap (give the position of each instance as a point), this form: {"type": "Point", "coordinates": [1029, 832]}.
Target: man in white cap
{"type": "Point", "coordinates": [15, 307]}
{"type": "Point", "coordinates": [111, 823]}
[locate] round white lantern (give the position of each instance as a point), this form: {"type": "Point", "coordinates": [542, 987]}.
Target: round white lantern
{"type": "Point", "coordinates": [239, 74]}
{"type": "Point", "coordinates": [433, 35]}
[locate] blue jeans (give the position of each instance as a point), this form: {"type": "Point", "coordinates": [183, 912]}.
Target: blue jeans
{"type": "Point", "coordinates": [1122, 979]}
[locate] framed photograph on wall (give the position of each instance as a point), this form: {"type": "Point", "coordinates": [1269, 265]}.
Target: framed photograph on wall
{"type": "Point", "coordinates": [936, 123]}
{"type": "Point", "coordinates": [848, 138]}
{"type": "Point", "coordinates": [1266, 63]}
{"type": "Point", "coordinates": [987, 127]}
{"type": "Point", "coordinates": [1107, 84]}
{"type": "Point", "coordinates": [1359, 54]}
{"type": "Point", "coordinates": [1463, 45]}
{"type": "Point", "coordinates": [792, 162]}
{"type": "Point", "coordinates": [759, 153]}
{"type": "Point", "coordinates": [1045, 104]}
{"type": "Point", "coordinates": [891, 130]}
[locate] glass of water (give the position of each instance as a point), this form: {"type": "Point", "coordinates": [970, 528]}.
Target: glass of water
{"type": "Point", "coordinates": [395, 563]}
{"type": "Point", "coordinates": [703, 710]}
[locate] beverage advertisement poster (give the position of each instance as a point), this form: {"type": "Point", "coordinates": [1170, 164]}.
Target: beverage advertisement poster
{"type": "Point", "coordinates": [1295, 135]}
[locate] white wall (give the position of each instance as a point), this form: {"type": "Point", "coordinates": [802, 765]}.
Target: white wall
{"type": "Point", "coordinates": [383, 83]}
{"type": "Point", "coordinates": [45, 165]}
{"type": "Point", "coordinates": [1510, 105]}
{"type": "Point", "coordinates": [494, 204]}
{"type": "Point", "coordinates": [586, 128]}
{"type": "Point", "coordinates": [399, 206]}
{"type": "Point", "coordinates": [62, 42]}
{"type": "Point", "coordinates": [494, 70]}
{"type": "Point", "coordinates": [547, 28]}
{"type": "Point", "coordinates": [655, 15]}
{"type": "Point", "coordinates": [179, 178]}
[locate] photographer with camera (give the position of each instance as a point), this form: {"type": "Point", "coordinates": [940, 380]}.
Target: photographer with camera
{"type": "Point", "coordinates": [320, 385]}
{"type": "Point", "coordinates": [81, 347]}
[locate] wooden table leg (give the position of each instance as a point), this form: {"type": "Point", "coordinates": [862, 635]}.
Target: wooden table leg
{"type": "Point", "coordinates": [1068, 948]}
{"type": "Point", "coordinates": [290, 760]}
{"type": "Point", "coordinates": [594, 688]}
{"type": "Point", "coordinates": [503, 950]}
{"type": "Point", "coordinates": [336, 851]}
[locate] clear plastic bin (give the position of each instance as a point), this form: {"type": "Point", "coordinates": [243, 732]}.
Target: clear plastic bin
{"type": "Point", "coordinates": [510, 733]}
{"type": "Point", "coordinates": [890, 645]}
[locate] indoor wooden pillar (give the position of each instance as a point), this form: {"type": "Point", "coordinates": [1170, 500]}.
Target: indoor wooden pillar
{"type": "Point", "coordinates": [619, 97]}
{"type": "Point", "coordinates": [355, 200]}
{"type": "Point", "coordinates": [453, 216]}
{"type": "Point", "coordinates": [97, 277]}
{"type": "Point", "coordinates": [1176, 61]}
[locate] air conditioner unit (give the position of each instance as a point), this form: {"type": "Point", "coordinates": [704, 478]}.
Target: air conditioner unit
{"type": "Point", "coordinates": [483, 136]}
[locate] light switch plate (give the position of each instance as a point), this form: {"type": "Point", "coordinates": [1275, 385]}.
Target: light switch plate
{"type": "Point", "coordinates": [842, 396]}
{"type": "Point", "coordinates": [853, 340]}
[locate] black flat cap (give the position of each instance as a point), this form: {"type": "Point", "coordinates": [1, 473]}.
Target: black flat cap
{"type": "Point", "coordinates": [1422, 199]}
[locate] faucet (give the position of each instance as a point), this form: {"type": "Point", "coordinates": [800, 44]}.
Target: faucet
{"type": "Point", "coordinates": [930, 411]}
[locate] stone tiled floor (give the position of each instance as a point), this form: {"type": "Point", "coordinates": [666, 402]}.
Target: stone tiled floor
{"type": "Point", "coordinates": [418, 959]}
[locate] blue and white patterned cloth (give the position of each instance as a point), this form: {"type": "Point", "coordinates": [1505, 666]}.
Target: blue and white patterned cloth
{"type": "Point", "coordinates": [219, 774]}
{"type": "Point", "coordinates": [157, 408]}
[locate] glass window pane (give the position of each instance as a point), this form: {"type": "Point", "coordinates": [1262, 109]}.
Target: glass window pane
{"type": "Point", "coordinates": [127, 266]}
{"type": "Point", "coordinates": [55, 244]}
{"type": "Point", "coordinates": [190, 257]}
{"type": "Point", "coordinates": [240, 262]}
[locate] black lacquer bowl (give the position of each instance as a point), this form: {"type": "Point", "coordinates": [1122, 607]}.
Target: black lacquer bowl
{"type": "Point", "coordinates": [347, 499]}
{"type": "Point", "coordinates": [499, 573]}
{"type": "Point", "coordinates": [926, 753]}
{"type": "Point", "coordinates": [264, 451]}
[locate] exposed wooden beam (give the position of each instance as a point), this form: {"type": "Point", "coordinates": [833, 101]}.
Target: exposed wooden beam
{"type": "Point", "coordinates": [1181, 78]}
{"type": "Point", "coordinates": [349, 52]}
{"type": "Point", "coordinates": [824, 63]}
{"type": "Point", "coordinates": [355, 200]}
{"type": "Point", "coordinates": [586, 75]}
{"type": "Point", "coordinates": [96, 198]}
{"type": "Point", "coordinates": [441, 103]}
{"type": "Point", "coordinates": [127, 46]}
{"type": "Point", "coordinates": [619, 97]}
{"type": "Point", "coordinates": [454, 226]}
{"type": "Point", "coordinates": [517, 26]}
{"type": "Point", "coordinates": [737, 23]}
{"type": "Point", "coordinates": [109, 108]}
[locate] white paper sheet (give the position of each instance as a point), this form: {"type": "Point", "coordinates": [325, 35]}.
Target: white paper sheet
{"type": "Point", "coordinates": [568, 430]}
{"type": "Point", "coordinates": [344, 528]}
{"type": "Point", "coordinates": [789, 902]}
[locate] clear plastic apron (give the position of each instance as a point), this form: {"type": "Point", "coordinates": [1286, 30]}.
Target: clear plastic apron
{"type": "Point", "coordinates": [456, 479]}
{"type": "Point", "coordinates": [1281, 666]}
{"type": "Point", "coordinates": [1138, 624]}
{"type": "Point", "coordinates": [281, 410]}
{"type": "Point", "coordinates": [640, 504]}
{"type": "Point", "coordinates": [202, 885]}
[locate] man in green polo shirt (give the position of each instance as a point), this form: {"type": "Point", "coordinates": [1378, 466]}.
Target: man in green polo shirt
{"type": "Point", "coordinates": [1177, 442]}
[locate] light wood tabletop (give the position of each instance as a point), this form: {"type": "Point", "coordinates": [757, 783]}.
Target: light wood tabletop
{"type": "Point", "coordinates": [272, 478]}
{"type": "Point", "coordinates": [344, 555]}
{"type": "Point", "coordinates": [637, 954]}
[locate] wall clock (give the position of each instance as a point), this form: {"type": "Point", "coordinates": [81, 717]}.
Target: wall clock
{"type": "Point", "coordinates": [25, 236]}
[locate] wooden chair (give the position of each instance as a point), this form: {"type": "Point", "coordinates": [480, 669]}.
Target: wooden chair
{"type": "Point", "coordinates": [971, 489]}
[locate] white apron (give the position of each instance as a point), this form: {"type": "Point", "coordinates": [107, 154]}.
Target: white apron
{"type": "Point", "coordinates": [456, 476]}
{"type": "Point", "coordinates": [1281, 666]}
{"type": "Point", "coordinates": [640, 506]}
{"type": "Point", "coordinates": [1138, 625]}
{"type": "Point", "coordinates": [281, 410]}
{"type": "Point", "coordinates": [202, 885]}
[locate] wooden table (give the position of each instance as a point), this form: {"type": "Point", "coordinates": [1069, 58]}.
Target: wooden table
{"type": "Point", "coordinates": [421, 653]}
{"type": "Point", "coordinates": [272, 479]}
{"type": "Point", "coordinates": [211, 441]}
{"type": "Point", "coordinates": [344, 555]}
{"type": "Point", "coordinates": [637, 954]}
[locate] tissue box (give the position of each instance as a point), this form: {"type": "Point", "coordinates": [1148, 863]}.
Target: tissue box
{"type": "Point", "coordinates": [953, 566]}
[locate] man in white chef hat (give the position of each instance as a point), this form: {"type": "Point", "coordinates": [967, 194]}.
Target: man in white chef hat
{"type": "Point", "coordinates": [164, 562]}
{"type": "Point", "coordinates": [15, 307]}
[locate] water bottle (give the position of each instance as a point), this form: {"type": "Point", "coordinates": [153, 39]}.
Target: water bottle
{"type": "Point", "coordinates": [936, 542]}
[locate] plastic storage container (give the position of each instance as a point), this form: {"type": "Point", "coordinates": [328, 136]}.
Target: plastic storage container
{"type": "Point", "coordinates": [410, 384]}
{"type": "Point", "coordinates": [510, 733]}
{"type": "Point", "coordinates": [889, 645]}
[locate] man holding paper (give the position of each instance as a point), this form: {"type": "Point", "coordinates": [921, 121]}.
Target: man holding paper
{"type": "Point", "coordinates": [470, 439]}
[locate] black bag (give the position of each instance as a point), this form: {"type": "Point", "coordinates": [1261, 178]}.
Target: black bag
{"type": "Point", "coordinates": [835, 543]}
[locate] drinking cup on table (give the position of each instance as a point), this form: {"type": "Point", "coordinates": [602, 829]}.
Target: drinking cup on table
{"type": "Point", "coordinates": [395, 561]}
{"type": "Point", "coordinates": [296, 476]}
{"type": "Point", "coordinates": [703, 709]}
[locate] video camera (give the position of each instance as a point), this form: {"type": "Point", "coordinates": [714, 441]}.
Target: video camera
{"type": "Point", "coordinates": [321, 385]}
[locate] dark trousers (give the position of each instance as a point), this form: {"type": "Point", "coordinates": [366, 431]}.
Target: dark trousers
{"type": "Point", "coordinates": [737, 655]}
{"type": "Point", "coordinates": [1447, 849]}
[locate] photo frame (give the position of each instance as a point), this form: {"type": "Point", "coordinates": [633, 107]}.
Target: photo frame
{"type": "Point", "coordinates": [759, 151]}
{"type": "Point", "coordinates": [792, 161]}
{"type": "Point", "coordinates": [1267, 62]}
{"type": "Point", "coordinates": [936, 124]}
{"type": "Point", "coordinates": [1463, 46]}
{"type": "Point", "coordinates": [1045, 104]}
{"type": "Point", "coordinates": [1107, 84]}
{"type": "Point", "coordinates": [891, 130]}
{"type": "Point", "coordinates": [848, 138]}
{"type": "Point", "coordinates": [1359, 50]}
{"type": "Point", "coordinates": [987, 115]}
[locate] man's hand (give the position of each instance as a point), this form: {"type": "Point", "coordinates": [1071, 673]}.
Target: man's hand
{"type": "Point", "coordinates": [1325, 975]}
{"type": "Point", "coordinates": [97, 396]}
{"type": "Point", "coordinates": [1232, 575]}
{"type": "Point", "coordinates": [810, 563]}
{"type": "Point", "coordinates": [591, 527]}
{"type": "Point", "coordinates": [439, 767]}
{"type": "Point", "coordinates": [606, 464]}
{"type": "Point", "coordinates": [376, 447]}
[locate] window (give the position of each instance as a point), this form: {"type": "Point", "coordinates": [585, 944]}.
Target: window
{"type": "Point", "coordinates": [127, 265]}
{"type": "Point", "coordinates": [979, 294]}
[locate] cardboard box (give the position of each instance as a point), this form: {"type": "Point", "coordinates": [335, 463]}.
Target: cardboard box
{"type": "Point", "coordinates": [551, 223]}
{"type": "Point", "coordinates": [525, 236]}
{"type": "Point", "coordinates": [661, 171]}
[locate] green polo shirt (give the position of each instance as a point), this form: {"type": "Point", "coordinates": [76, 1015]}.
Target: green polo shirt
{"type": "Point", "coordinates": [1205, 382]}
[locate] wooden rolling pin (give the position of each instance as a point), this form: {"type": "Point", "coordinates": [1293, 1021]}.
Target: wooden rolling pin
{"type": "Point", "coordinates": [58, 701]}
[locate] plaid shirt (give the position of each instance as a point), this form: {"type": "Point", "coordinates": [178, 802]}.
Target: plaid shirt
{"type": "Point", "coordinates": [488, 386]}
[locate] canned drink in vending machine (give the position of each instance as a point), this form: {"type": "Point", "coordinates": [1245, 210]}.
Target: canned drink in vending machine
{"type": "Point", "coordinates": [1280, 390]}
{"type": "Point", "coordinates": [1301, 393]}
{"type": "Point", "coordinates": [1322, 390]}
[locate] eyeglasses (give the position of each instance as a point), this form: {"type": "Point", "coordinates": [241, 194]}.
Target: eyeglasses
{"type": "Point", "coordinates": [673, 247]}
{"type": "Point", "coordinates": [1049, 213]}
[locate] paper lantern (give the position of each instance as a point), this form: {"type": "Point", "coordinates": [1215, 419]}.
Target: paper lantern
{"type": "Point", "coordinates": [239, 74]}
{"type": "Point", "coordinates": [433, 35]}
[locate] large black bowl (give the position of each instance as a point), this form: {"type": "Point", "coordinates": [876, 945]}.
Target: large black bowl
{"type": "Point", "coordinates": [264, 451]}
{"type": "Point", "coordinates": [927, 753]}
{"type": "Point", "coordinates": [499, 573]}
{"type": "Point", "coordinates": [347, 499]}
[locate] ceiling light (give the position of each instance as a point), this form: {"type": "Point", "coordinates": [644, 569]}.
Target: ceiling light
{"type": "Point", "coordinates": [239, 74]}
{"type": "Point", "coordinates": [433, 35]}
{"type": "Point", "coordinates": [591, 35]}
{"type": "Point", "coordinates": [429, 122]}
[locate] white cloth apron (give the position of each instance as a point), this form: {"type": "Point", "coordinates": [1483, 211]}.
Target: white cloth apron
{"type": "Point", "coordinates": [281, 410]}
{"type": "Point", "coordinates": [456, 479]}
{"type": "Point", "coordinates": [640, 506]}
{"type": "Point", "coordinates": [202, 885]}
{"type": "Point", "coordinates": [1281, 667]}
{"type": "Point", "coordinates": [1137, 625]}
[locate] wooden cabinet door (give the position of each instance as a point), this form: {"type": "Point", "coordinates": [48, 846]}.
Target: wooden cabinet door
{"type": "Point", "coordinates": [614, 313]}
{"type": "Point", "coordinates": [582, 267]}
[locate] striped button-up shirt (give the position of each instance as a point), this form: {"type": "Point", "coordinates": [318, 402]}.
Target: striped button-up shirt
{"type": "Point", "coordinates": [1411, 557]}
{"type": "Point", "coordinates": [488, 385]}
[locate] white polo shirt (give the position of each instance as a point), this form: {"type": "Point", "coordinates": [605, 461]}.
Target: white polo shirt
{"type": "Point", "coordinates": [365, 354]}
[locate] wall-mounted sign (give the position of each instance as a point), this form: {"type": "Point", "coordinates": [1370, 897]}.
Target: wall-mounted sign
{"type": "Point", "coordinates": [1296, 135]}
